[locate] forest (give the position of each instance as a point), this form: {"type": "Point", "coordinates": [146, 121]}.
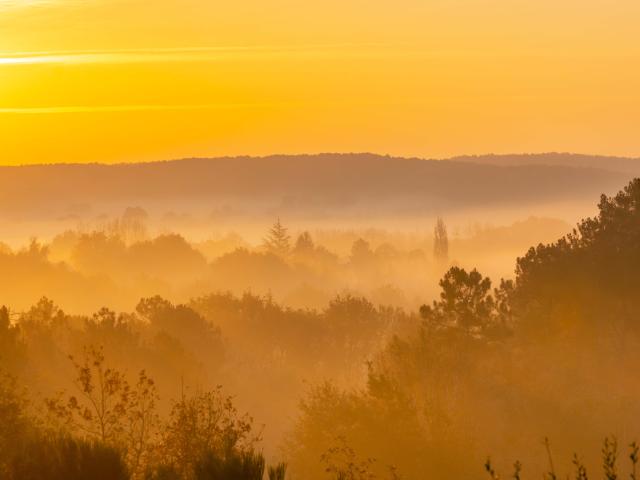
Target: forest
{"type": "Point", "coordinates": [537, 369]}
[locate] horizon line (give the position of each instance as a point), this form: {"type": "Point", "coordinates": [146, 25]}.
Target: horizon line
{"type": "Point", "coordinates": [459, 157]}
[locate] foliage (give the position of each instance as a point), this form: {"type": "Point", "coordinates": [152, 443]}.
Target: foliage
{"type": "Point", "coordinates": [482, 366]}
{"type": "Point", "coordinates": [108, 409]}
{"type": "Point", "coordinates": [586, 276]}
{"type": "Point", "coordinates": [342, 463]}
{"type": "Point", "coordinates": [233, 465]}
{"type": "Point", "coordinates": [62, 457]}
{"type": "Point", "coordinates": [304, 244]}
{"type": "Point", "coordinates": [12, 349]}
{"type": "Point", "coordinates": [15, 423]}
{"type": "Point", "coordinates": [278, 240]}
{"type": "Point", "coordinates": [466, 302]}
{"type": "Point", "coordinates": [204, 425]}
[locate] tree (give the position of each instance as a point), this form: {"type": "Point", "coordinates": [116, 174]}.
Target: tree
{"type": "Point", "coordinates": [61, 457]}
{"type": "Point", "coordinates": [588, 275]}
{"type": "Point", "coordinates": [204, 425]}
{"type": "Point", "coordinates": [130, 227]}
{"type": "Point", "coordinates": [185, 325]}
{"type": "Point", "coordinates": [342, 463]}
{"type": "Point", "coordinates": [133, 224]}
{"type": "Point", "coordinates": [440, 241]}
{"type": "Point", "coordinates": [278, 240]}
{"type": "Point", "coordinates": [233, 465]}
{"type": "Point", "coordinates": [466, 301]}
{"type": "Point", "coordinates": [15, 424]}
{"type": "Point", "coordinates": [108, 409]}
{"type": "Point", "coordinates": [361, 253]}
{"type": "Point", "coordinates": [12, 350]}
{"type": "Point", "coordinates": [304, 244]}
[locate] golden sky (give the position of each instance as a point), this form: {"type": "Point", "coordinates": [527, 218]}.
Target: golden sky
{"type": "Point", "coordinates": [137, 80]}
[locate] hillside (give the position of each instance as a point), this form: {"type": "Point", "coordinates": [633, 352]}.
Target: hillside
{"type": "Point", "coordinates": [325, 182]}
{"type": "Point", "coordinates": [613, 164]}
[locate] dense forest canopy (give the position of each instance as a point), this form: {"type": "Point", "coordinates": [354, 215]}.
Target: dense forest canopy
{"type": "Point", "coordinates": [121, 260]}
{"type": "Point", "coordinates": [349, 390]}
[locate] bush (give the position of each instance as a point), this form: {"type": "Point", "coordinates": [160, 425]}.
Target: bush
{"type": "Point", "coordinates": [67, 458]}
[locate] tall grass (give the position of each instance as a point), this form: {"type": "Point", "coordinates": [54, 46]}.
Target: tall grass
{"type": "Point", "coordinates": [609, 463]}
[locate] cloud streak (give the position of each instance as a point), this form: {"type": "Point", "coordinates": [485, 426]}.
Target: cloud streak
{"type": "Point", "coordinates": [191, 54]}
{"type": "Point", "coordinates": [132, 108]}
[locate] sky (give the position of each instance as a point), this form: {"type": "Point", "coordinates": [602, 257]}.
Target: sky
{"type": "Point", "coordinates": [141, 80]}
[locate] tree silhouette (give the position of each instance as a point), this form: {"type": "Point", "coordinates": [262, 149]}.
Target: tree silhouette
{"type": "Point", "coordinates": [278, 240]}
{"type": "Point", "coordinates": [108, 409]}
{"type": "Point", "coordinates": [465, 300]}
{"type": "Point", "coordinates": [62, 457]}
{"type": "Point", "coordinates": [440, 241]}
{"type": "Point", "coordinates": [590, 272]}
{"type": "Point", "coordinates": [205, 425]}
{"type": "Point", "coordinates": [304, 244]}
{"type": "Point", "coordinates": [361, 253]}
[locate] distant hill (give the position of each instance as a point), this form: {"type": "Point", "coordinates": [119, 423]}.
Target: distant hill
{"type": "Point", "coordinates": [320, 183]}
{"type": "Point", "coordinates": [614, 164]}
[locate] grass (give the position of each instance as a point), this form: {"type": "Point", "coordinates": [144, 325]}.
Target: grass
{"type": "Point", "coordinates": [609, 463]}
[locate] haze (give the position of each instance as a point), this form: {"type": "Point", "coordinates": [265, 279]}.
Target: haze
{"type": "Point", "coordinates": [335, 240]}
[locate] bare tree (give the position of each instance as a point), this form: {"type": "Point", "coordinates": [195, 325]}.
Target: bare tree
{"type": "Point", "coordinates": [108, 409]}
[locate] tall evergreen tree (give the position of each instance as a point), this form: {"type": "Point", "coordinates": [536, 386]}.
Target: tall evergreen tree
{"type": "Point", "coordinates": [278, 240]}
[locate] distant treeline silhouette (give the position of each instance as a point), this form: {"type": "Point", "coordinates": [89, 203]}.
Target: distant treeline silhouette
{"type": "Point", "coordinates": [119, 261]}
{"type": "Point", "coordinates": [329, 183]}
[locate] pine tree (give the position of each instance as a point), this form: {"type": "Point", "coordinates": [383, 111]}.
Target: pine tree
{"type": "Point", "coordinates": [277, 240]}
{"type": "Point", "coordinates": [440, 241]}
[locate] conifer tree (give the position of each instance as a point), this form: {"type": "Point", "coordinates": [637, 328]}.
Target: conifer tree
{"type": "Point", "coordinates": [278, 240]}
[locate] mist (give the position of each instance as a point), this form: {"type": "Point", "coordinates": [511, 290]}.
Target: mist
{"type": "Point", "coordinates": [404, 318]}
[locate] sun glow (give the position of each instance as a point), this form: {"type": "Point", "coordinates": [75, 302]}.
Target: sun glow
{"type": "Point", "coordinates": [415, 78]}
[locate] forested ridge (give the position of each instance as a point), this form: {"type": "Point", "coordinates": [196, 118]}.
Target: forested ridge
{"type": "Point", "coordinates": [324, 182]}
